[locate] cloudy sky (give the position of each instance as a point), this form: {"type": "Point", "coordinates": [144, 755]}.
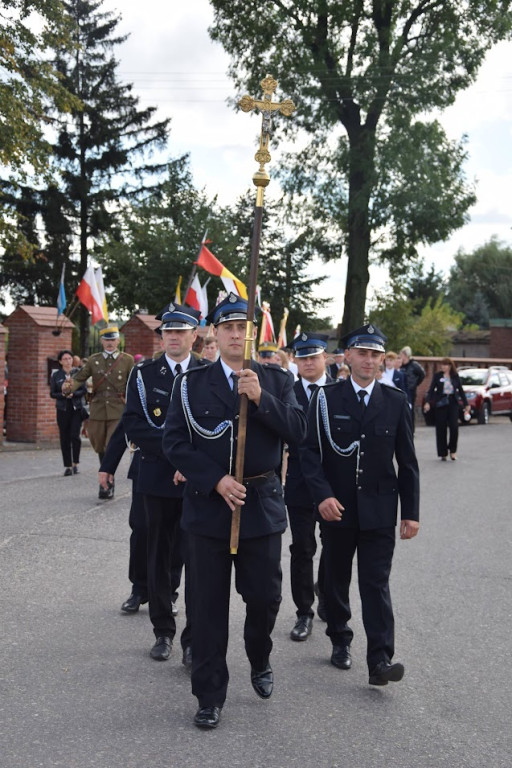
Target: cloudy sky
{"type": "Point", "coordinates": [172, 64]}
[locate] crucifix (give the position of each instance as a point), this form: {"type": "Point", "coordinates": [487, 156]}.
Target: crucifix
{"type": "Point", "coordinates": [260, 180]}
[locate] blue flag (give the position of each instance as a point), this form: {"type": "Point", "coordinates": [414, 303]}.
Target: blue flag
{"type": "Point", "coordinates": [61, 299]}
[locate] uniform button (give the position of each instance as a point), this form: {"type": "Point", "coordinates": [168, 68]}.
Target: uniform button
{"type": "Point", "coordinates": [237, 416]}
{"type": "Point", "coordinates": [359, 488]}
{"type": "Point", "coordinates": [360, 471]}
{"type": "Point", "coordinates": [362, 453]}
{"type": "Point", "coordinates": [363, 437]}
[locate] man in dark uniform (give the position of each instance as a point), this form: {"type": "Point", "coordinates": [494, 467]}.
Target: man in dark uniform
{"type": "Point", "coordinates": [310, 356]}
{"type": "Point", "coordinates": [356, 429]}
{"type": "Point", "coordinates": [109, 371]}
{"type": "Point", "coordinates": [200, 435]}
{"type": "Point", "coordinates": [137, 564]}
{"type": "Point", "coordinates": [147, 401]}
{"type": "Point", "coordinates": [339, 359]}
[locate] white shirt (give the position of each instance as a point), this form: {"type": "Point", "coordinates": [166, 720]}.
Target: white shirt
{"type": "Point", "coordinates": [173, 363]}
{"type": "Point", "coordinates": [319, 382]}
{"type": "Point", "coordinates": [227, 372]}
{"type": "Point", "coordinates": [368, 389]}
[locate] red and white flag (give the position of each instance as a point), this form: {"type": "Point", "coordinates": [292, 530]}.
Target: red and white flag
{"type": "Point", "coordinates": [196, 296]}
{"type": "Point", "coordinates": [89, 296]}
{"type": "Point", "coordinates": [267, 326]}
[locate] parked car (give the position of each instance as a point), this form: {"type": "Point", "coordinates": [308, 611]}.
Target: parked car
{"type": "Point", "coordinates": [488, 390]}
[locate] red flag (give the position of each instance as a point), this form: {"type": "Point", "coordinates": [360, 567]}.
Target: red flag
{"type": "Point", "coordinates": [211, 264]}
{"type": "Point", "coordinates": [89, 296]}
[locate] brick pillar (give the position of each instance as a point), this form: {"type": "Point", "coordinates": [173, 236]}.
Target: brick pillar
{"type": "Point", "coordinates": [3, 338]}
{"type": "Point", "coordinates": [32, 343]}
{"type": "Point", "coordinates": [140, 337]}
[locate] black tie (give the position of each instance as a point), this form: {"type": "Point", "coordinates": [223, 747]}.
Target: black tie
{"type": "Point", "coordinates": [361, 395]}
{"type": "Point", "coordinates": [177, 369]}
{"type": "Point", "coordinates": [234, 384]}
{"type": "Point", "coordinates": [312, 388]}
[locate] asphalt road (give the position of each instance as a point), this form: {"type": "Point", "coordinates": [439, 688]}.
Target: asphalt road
{"type": "Point", "coordinates": [79, 690]}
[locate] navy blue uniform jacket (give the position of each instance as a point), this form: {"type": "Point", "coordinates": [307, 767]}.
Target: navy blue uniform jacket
{"type": "Point", "coordinates": [204, 461]}
{"type": "Point", "coordinates": [385, 433]}
{"type": "Point", "coordinates": [155, 477]}
{"type": "Point", "coordinates": [296, 491]}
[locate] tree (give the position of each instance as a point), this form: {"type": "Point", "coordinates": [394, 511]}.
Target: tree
{"type": "Point", "coordinates": [480, 283]}
{"type": "Point", "coordinates": [30, 84]}
{"type": "Point", "coordinates": [364, 73]}
{"type": "Point", "coordinates": [102, 149]}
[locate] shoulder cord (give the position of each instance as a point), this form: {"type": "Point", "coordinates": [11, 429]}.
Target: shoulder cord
{"type": "Point", "coordinates": [207, 434]}
{"type": "Point", "coordinates": [323, 413]}
{"type": "Point", "coordinates": [143, 402]}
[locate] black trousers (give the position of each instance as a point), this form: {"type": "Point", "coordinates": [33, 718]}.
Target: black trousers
{"type": "Point", "coordinates": [374, 557]}
{"type": "Point", "coordinates": [69, 423]}
{"type": "Point", "coordinates": [447, 420]}
{"type": "Point", "coordinates": [302, 551]}
{"type": "Point", "coordinates": [258, 580]}
{"type": "Point", "coordinates": [163, 518]}
{"type": "Point", "coordinates": [138, 563]}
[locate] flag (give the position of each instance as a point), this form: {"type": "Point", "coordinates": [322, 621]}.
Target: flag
{"type": "Point", "coordinates": [196, 297]}
{"type": "Point", "coordinates": [211, 264]}
{"type": "Point", "coordinates": [98, 276]}
{"type": "Point", "coordinates": [88, 295]}
{"type": "Point", "coordinates": [267, 326]}
{"type": "Point", "coordinates": [297, 331]}
{"type": "Point", "coordinates": [282, 341]}
{"type": "Point", "coordinates": [177, 295]}
{"type": "Point", "coordinates": [61, 298]}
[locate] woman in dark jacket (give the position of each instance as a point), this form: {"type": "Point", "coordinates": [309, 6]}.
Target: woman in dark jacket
{"type": "Point", "coordinates": [445, 395]}
{"type": "Point", "coordinates": [69, 412]}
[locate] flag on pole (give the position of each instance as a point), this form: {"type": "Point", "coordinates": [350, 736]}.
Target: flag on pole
{"type": "Point", "coordinates": [282, 340]}
{"type": "Point", "coordinates": [196, 297]}
{"type": "Point", "coordinates": [177, 295]}
{"type": "Point", "coordinates": [88, 295]}
{"type": "Point", "coordinates": [267, 326]}
{"type": "Point", "coordinates": [297, 331]}
{"type": "Point", "coordinates": [211, 264]}
{"type": "Point", "coordinates": [98, 276]}
{"type": "Point", "coordinates": [61, 298]}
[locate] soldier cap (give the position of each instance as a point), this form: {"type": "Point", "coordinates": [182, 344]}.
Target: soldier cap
{"type": "Point", "coordinates": [309, 344]}
{"type": "Point", "coordinates": [366, 337]}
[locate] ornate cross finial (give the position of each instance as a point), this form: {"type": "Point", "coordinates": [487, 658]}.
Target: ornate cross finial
{"type": "Point", "coordinates": [266, 107]}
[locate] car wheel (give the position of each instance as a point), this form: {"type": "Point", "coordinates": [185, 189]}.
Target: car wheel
{"type": "Point", "coordinates": [484, 413]}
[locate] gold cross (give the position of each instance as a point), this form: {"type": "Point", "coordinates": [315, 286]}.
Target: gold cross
{"type": "Point", "coordinates": [266, 106]}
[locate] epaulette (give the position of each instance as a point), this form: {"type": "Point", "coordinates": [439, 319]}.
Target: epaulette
{"type": "Point", "coordinates": [275, 367]}
{"type": "Point", "coordinates": [332, 383]}
{"type": "Point", "coordinates": [195, 368]}
{"type": "Point", "coordinates": [144, 363]}
{"type": "Point", "coordinates": [386, 388]}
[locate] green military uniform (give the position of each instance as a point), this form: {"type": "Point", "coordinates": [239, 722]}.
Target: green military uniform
{"type": "Point", "coordinates": [109, 377]}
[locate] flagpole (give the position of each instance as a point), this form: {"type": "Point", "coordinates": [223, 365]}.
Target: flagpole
{"type": "Point", "coordinates": [194, 267]}
{"type": "Point", "coordinates": [261, 179]}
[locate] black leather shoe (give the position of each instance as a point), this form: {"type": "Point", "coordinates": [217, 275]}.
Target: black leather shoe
{"type": "Point", "coordinates": [320, 609]}
{"type": "Point", "coordinates": [384, 672]}
{"type": "Point", "coordinates": [263, 681]}
{"type": "Point", "coordinates": [207, 717]}
{"type": "Point", "coordinates": [161, 649]}
{"type": "Point", "coordinates": [341, 657]}
{"type": "Point", "coordinates": [68, 472]}
{"type": "Point", "coordinates": [133, 603]}
{"type": "Point", "coordinates": [302, 628]}
{"type": "Point", "coordinates": [75, 469]}
{"type": "Point", "coordinates": [187, 657]}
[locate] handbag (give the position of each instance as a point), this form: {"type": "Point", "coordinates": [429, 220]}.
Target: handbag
{"type": "Point", "coordinates": [442, 402]}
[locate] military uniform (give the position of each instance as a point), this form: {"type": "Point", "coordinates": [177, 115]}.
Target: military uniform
{"type": "Point", "coordinates": [201, 435]}
{"type": "Point", "coordinates": [349, 454]}
{"type": "Point", "coordinates": [109, 376]}
{"type": "Point", "coordinates": [147, 400]}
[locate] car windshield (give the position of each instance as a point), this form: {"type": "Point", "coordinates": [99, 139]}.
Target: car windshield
{"type": "Point", "coordinates": [473, 376]}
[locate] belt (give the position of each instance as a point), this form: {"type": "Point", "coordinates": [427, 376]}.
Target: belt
{"type": "Point", "coordinates": [259, 479]}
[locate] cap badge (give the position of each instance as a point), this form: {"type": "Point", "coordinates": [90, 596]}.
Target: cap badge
{"type": "Point", "coordinates": [371, 329]}
{"type": "Point", "coordinates": [233, 298]}
{"type": "Point", "coordinates": [171, 308]}
{"type": "Point", "coordinates": [304, 337]}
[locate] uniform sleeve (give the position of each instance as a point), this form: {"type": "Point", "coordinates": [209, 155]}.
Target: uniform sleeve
{"type": "Point", "coordinates": [281, 412]}
{"type": "Point", "coordinates": [408, 471]}
{"type": "Point", "coordinates": [136, 425]}
{"type": "Point", "coordinates": [197, 466]}
{"type": "Point", "coordinates": [310, 458]}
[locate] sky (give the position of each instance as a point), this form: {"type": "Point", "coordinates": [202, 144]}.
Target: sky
{"type": "Point", "coordinates": [174, 65]}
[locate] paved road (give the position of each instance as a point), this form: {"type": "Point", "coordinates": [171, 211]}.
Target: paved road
{"type": "Point", "coordinates": [79, 690]}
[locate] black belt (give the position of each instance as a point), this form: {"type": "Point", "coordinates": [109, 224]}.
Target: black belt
{"type": "Point", "coordinates": [259, 479]}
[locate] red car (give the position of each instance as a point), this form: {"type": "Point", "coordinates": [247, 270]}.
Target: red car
{"type": "Point", "coordinates": [488, 390]}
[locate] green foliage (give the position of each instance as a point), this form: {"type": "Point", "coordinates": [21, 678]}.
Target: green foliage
{"type": "Point", "coordinates": [480, 283]}
{"type": "Point", "coordinates": [363, 74]}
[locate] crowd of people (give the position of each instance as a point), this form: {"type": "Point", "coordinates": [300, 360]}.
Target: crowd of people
{"type": "Point", "coordinates": [322, 438]}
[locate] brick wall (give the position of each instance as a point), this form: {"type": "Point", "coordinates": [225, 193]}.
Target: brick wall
{"type": "Point", "coordinates": [3, 339]}
{"type": "Point", "coordinates": [501, 338]}
{"type": "Point", "coordinates": [31, 413]}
